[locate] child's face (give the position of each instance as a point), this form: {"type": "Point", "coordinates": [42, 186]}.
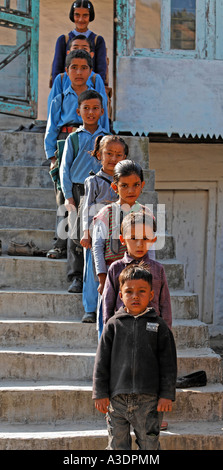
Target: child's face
{"type": "Point", "coordinates": [138, 240]}
{"type": "Point", "coordinates": [81, 19]}
{"type": "Point", "coordinates": [112, 153]}
{"type": "Point", "coordinates": [81, 44]}
{"type": "Point", "coordinates": [90, 111]}
{"type": "Point", "coordinates": [78, 72]}
{"type": "Point", "coordinates": [136, 295]}
{"type": "Point", "coordinates": [129, 188]}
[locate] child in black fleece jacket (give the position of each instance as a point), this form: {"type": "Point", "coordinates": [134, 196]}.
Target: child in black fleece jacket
{"type": "Point", "coordinates": [135, 368]}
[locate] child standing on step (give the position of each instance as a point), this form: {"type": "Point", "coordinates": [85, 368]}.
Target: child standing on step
{"type": "Point", "coordinates": [109, 150]}
{"type": "Point", "coordinates": [142, 387]}
{"type": "Point", "coordinates": [73, 172]}
{"type": "Point", "coordinates": [128, 182]}
{"type": "Point", "coordinates": [138, 233]}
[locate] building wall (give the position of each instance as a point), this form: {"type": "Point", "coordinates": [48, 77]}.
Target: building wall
{"type": "Point", "coordinates": [189, 181]}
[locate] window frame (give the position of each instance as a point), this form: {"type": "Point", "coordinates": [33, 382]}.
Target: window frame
{"type": "Point", "coordinates": [209, 34]}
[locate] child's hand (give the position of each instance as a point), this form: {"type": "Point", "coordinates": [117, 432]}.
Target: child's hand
{"type": "Point", "coordinates": [102, 404]}
{"type": "Point", "coordinates": [164, 404]}
{"type": "Point", "coordinates": [86, 240]}
{"type": "Point", "coordinates": [102, 278]}
{"type": "Point", "coordinates": [70, 204]}
{"type": "Point", "coordinates": [53, 160]}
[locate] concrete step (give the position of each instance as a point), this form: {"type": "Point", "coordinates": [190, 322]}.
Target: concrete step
{"type": "Point", "coordinates": [20, 217]}
{"type": "Point", "coordinates": [27, 148]}
{"type": "Point", "coordinates": [39, 273]}
{"type": "Point", "coordinates": [47, 334]}
{"type": "Point", "coordinates": [70, 402]}
{"type": "Point", "coordinates": [21, 148]}
{"type": "Point", "coordinates": [61, 305]}
{"type": "Point", "coordinates": [93, 436]}
{"type": "Point", "coordinates": [67, 334]}
{"type": "Point", "coordinates": [44, 239]}
{"type": "Point", "coordinates": [25, 177]}
{"type": "Point", "coordinates": [28, 198]}
{"type": "Point", "coordinates": [36, 363]}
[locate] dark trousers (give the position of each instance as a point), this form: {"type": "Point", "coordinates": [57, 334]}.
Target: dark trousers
{"type": "Point", "coordinates": [75, 258]}
{"type": "Point", "coordinates": [60, 242]}
{"type": "Point", "coordinates": [138, 411]}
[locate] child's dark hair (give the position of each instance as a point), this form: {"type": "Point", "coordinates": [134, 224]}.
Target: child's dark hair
{"type": "Point", "coordinates": [144, 216]}
{"type": "Point", "coordinates": [79, 54]}
{"type": "Point", "coordinates": [127, 168]}
{"type": "Point", "coordinates": [82, 38]}
{"type": "Point", "coordinates": [102, 140]}
{"type": "Point", "coordinates": [89, 95]}
{"type": "Point", "coordinates": [134, 272]}
{"type": "Point", "coordinates": [82, 4]}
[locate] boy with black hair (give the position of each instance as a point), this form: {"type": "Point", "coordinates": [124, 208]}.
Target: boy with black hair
{"type": "Point", "coordinates": [64, 119]}
{"type": "Point", "coordinates": [62, 81]}
{"type": "Point", "coordinates": [134, 376]}
{"type": "Point", "coordinates": [63, 116]}
{"type": "Point", "coordinates": [138, 233]}
{"type": "Point", "coordinates": [74, 170]}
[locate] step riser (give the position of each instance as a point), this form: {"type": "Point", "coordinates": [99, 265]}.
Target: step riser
{"type": "Point", "coordinates": [44, 239]}
{"type": "Point", "coordinates": [28, 197]}
{"type": "Point", "coordinates": [12, 145]}
{"type": "Point", "coordinates": [47, 335]}
{"type": "Point", "coordinates": [100, 442]}
{"type": "Point", "coordinates": [25, 177]}
{"type": "Point", "coordinates": [40, 366]}
{"type": "Point", "coordinates": [65, 406]}
{"type": "Point", "coordinates": [39, 273]}
{"type": "Point", "coordinates": [67, 335]}
{"type": "Point", "coordinates": [11, 217]}
{"type": "Point", "coordinates": [40, 305]}
{"type": "Point", "coordinates": [21, 148]}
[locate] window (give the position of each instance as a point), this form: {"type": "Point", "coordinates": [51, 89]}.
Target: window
{"type": "Point", "coordinates": [183, 24]}
{"type": "Point", "coordinates": [148, 24]}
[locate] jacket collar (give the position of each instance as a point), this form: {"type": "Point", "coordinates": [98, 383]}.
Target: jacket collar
{"type": "Point", "coordinates": [150, 312]}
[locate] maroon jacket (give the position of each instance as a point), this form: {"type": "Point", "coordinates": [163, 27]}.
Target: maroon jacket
{"type": "Point", "coordinates": [161, 302]}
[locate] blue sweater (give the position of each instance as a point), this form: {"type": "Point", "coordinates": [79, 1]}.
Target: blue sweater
{"type": "Point", "coordinates": [99, 60]}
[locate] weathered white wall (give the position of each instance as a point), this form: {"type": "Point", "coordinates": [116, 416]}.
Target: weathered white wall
{"type": "Point", "coordinates": [189, 180]}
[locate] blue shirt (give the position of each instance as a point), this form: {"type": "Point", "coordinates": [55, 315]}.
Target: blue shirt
{"type": "Point", "coordinates": [77, 170]}
{"type": "Point", "coordinates": [60, 85]}
{"type": "Point", "coordinates": [64, 112]}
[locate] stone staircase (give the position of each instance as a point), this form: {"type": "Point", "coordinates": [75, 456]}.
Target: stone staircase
{"type": "Point", "coordinates": [47, 354]}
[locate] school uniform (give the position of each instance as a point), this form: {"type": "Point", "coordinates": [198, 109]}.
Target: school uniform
{"type": "Point", "coordinates": [60, 84]}
{"type": "Point", "coordinates": [99, 49]}
{"type": "Point", "coordinates": [62, 115]}
{"type": "Point", "coordinates": [98, 191]}
{"type": "Point", "coordinates": [73, 173]}
{"type": "Point", "coordinates": [161, 302]}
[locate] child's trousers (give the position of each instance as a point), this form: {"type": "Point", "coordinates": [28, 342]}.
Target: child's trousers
{"type": "Point", "coordinates": [138, 411]}
{"type": "Point", "coordinates": [90, 283]}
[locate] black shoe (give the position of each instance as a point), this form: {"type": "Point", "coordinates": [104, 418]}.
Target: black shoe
{"type": "Point", "coordinates": [76, 286]}
{"type": "Point", "coordinates": [197, 379]}
{"type": "Point", "coordinates": [89, 317]}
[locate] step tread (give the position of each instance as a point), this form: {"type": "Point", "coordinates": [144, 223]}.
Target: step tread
{"type": "Point", "coordinates": [94, 427]}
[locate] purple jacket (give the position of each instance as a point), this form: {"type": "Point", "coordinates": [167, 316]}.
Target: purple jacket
{"type": "Point", "coordinates": [111, 301]}
{"type": "Point", "coordinates": [99, 60]}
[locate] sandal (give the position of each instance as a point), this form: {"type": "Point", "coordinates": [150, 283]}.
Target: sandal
{"type": "Point", "coordinates": [57, 253]}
